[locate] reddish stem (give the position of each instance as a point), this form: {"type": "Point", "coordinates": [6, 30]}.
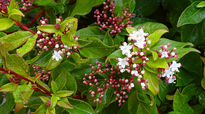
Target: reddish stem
{"type": "Point", "coordinates": [45, 91]}
{"type": "Point", "coordinates": [30, 9]}
{"type": "Point", "coordinates": [35, 18]}
{"type": "Point", "coordinates": [23, 26]}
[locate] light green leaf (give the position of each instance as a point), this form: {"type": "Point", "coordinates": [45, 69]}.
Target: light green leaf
{"type": "Point", "coordinates": [53, 63]}
{"type": "Point", "coordinates": [155, 36]}
{"type": "Point", "coordinates": [17, 64]}
{"type": "Point", "coordinates": [54, 86]}
{"type": "Point", "coordinates": [54, 100]}
{"type": "Point", "coordinates": [151, 27]}
{"type": "Point", "coordinates": [41, 109]}
{"type": "Point", "coordinates": [16, 39]}
{"type": "Point", "coordinates": [64, 103]}
{"type": "Point", "coordinates": [9, 87]}
{"type": "Point", "coordinates": [64, 93]}
{"type": "Point", "coordinates": [5, 23]}
{"type": "Point", "coordinates": [44, 99]}
{"type": "Point", "coordinates": [28, 46]}
{"type": "Point", "coordinates": [130, 30]}
{"type": "Point", "coordinates": [159, 63]}
{"type": "Point", "coordinates": [48, 28]}
{"type": "Point", "coordinates": [201, 4]}
{"type": "Point", "coordinates": [153, 82]}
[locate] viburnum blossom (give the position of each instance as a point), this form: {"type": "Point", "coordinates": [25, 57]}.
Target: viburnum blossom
{"type": "Point", "coordinates": [47, 41]}
{"type": "Point", "coordinates": [138, 37]}
{"type": "Point", "coordinates": [126, 49]}
{"type": "Point", "coordinates": [169, 74]}
{"type": "Point", "coordinates": [57, 55]}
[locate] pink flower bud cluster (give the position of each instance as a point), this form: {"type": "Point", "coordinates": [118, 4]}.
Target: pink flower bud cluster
{"type": "Point", "coordinates": [47, 41]}
{"type": "Point", "coordinates": [108, 20]}
{"type": "Point", "coordinates": [39, 72]}
{"type": "Point", "coordinates": [24, 4]}
{"type": "Point", "coordinates": [3, 6]}
{"type": "Point", "coordinates": [105, 76]}
{"type": "Point", "coordinates": [164, 52]}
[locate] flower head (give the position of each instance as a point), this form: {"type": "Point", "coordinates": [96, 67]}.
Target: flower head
{"type": "Point", "coordinates": [57, 55]}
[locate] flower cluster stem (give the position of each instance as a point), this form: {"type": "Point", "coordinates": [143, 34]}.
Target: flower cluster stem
{"type": "Point", "coordinates": [45, 91]}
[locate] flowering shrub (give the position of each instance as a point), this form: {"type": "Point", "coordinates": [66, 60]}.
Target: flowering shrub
{"type": "Point", "coordinates": [102, 56]}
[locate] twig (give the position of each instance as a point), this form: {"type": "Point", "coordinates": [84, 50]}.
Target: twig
{"type": "Point", "coordinates": [45, 91]}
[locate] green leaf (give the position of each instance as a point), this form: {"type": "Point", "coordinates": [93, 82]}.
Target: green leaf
{"type": "Point", "coordinates": [28, 46]}
{"type": "Point", "coordinates": [8, 106]}
{"type": "Point", "coordinates": [54, 86]}
{"type": "Point", "coordinates": [130, 30]}
{"type": "Point", "coordinates": [64, 103]}
{"type": "Point", "coordinates": [23, 93]}
{"type": "Point", "coordinates": [90, 31]}
{"type": "Point", "coordinates": [108, 40]}
{"type": "Point", "coordinates": [9, 87]}
{"type": "Point", "coordinates": [151, 27]}
{"type": "Point", "coordinates": [53, 63]}
{"type": "Point", "coordinates": [16, 39]}
{"type": "Point", "coordinates": [153, 82]}
{"type": "Point", "coordinates": [44, 58]}
{"type": "Point", "coordinates": [13, 5]}
{"type": "Point", "coordinates": [96, 49]}
{"type": "Point", "coordinates": [159, 63]}
{"type": "Point", "coordinates": [201, 4]}
{"type": "Point", "coordinates": [54, 100]}
{"type": "Point", "coordinates": [44, 99]}
{"type": "Point", "coordinates": [80, 107]}
{"type": "Point", "coordinates": [41, 110]}
{"type": "Point", "coordinates": [155, 36]}
{"type": "Point", "coordinates": [120, 4]}
{"type": "Point", "coordinates": [180, 104]}
{"type": "Point", "coordinates": [15, 14]}
{"type": "Point", "coordinates": [5, 23]}
{"type": "Point", "coordinates": [64, 79]}
{"type": "Point", "coordinates": [114, 55]}
{"type": "Point", "coordinates": [48, 28]}
{"type": "Point", "coordinates": [139, 103]}
{"type": "Point", "coordinates": [43, 3]}
{"type": "Point", "coordinates": [191, 15]}
{"type": "Point", "coordinates": [76, 57]}
{"type": "Point", "coordinates": [17, 64]}
{"type": "Point", "coordinates": [64, 93]}
{"type": "Point", "coordinates": [194, 33]}
{"type": "Point", "coordinates": [83, 7]}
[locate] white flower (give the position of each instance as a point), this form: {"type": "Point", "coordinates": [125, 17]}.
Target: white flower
{"type": "Point", "coordinates": [132, 85]}
{"type": "Point", "coordinates": [168, 73]}
{"type": "Point", "coordinates": [56, 55]}
{"type": "Point", "coordinates": [57, 46]}
{"type": "Point", "coordinates": [143, 85]}
{"type": "Point", "coordinates": [122, 62]}
{"type": "Point", "coordinates": [135, 72]}
{"type": "Point", "coordinates": [65, 46]}
{"type": "Point", "coordinates": [126, 49]}
{"type": "Point", "coordinates": [171, 79]}
{"type": "Point", "coordinates": [164, 54]}
{"type": "Point", "coordinates": [174, 66]}
{"type": "Point", "coordinates": [139, 37]}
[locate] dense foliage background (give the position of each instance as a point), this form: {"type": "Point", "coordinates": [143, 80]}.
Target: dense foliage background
{"type": "Point", "coordinates": [183, 19]}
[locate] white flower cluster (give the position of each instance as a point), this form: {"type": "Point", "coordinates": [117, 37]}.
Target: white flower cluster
{"type": "Point", "coordinates": [169, 74]}
{"type": "Point", "coordinates": [139, 38]}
